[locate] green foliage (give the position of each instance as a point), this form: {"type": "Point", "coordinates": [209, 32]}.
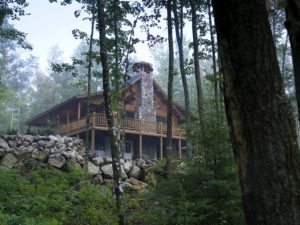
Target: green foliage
{"type": "Point", "coordinates": [13, 9]}
{"type": "Point", "coordinates": [52, 197]}
{"type": "Point", "coordinates": [196, 195]}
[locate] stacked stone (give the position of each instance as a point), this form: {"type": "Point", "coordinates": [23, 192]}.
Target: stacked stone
{"type": "Point", "coordinates": [66, 154]}
{"type": "Point", "coordinates": [55, 150]}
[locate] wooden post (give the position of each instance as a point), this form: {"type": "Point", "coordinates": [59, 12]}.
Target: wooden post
{"type": "Point", "coordinates": [141, 147]}
{"type": "Point", "coordinates": [78, 111]}
{"type": "Point", "coordinates": [94, 119]}
{"type": "Point", "coordinates": [68, 117]}
{"type": "Point", "coordinates": [92, 142]}
{"type": "Point", "coordinates": [140, 125]}
{"type": "Point", "coordinates": [161, 148]}
{"type": "Point", "coordinates": [179, 148]}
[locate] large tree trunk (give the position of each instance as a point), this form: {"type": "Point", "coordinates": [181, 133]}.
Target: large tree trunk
{"type": "Point", "coordinates": [178, 21]}
{"type": "Point", "coordinates": [293, 27]}
{"type": "Point", "coordinates": [170, 90]}
{"type": "Point", "coordinates": [196, 64]}
{"type": "Point", "coordinates": [259, 116]}
{"type": "Point", "coordinates": [115, 153]}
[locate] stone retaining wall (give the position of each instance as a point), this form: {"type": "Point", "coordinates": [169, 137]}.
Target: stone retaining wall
{"type": "Point", "coordinates": [66, 153]}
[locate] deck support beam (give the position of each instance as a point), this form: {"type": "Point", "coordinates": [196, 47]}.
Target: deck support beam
{"type": "Point", "coordinates": [141, 146]}
{"type": "Point", "coordinates": [78, 111]}
{"type": "Point", "coordinates": [92, 142]}
{"type": "Point", "coordinates": [161, 147]}
{"type": "Point", "coordinates": [179, 148]}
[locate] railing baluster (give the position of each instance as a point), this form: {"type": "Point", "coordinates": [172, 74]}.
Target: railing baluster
{"type": "Point", "coordinates": [138, 125]}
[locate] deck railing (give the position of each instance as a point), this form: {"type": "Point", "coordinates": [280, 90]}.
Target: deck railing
{"type": "Point", "coordinates": [142, 126]}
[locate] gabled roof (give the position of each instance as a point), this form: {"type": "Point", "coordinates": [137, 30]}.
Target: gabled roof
{"type": "Point", "coordinates": [79, 98]}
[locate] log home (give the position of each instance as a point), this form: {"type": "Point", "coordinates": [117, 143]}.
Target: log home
{"type": "Point", "coordinates": [144, 124]}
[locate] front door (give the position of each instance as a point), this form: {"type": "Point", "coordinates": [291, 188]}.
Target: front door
{"type": "Point", "coordinates": [128, 150]}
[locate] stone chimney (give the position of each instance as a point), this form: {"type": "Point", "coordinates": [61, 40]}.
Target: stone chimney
{"type": "Point", "coordinates": [146, 110]}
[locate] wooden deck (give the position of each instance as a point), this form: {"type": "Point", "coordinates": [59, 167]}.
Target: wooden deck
{"type": "Point", "coordinates": [133, 126]}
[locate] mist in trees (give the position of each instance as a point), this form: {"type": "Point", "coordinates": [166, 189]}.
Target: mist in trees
{"type": "Point", "coordinates": [231, 64]}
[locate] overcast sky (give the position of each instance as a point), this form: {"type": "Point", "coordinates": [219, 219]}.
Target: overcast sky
{"type": "Point", "coordinates": [51, 24]}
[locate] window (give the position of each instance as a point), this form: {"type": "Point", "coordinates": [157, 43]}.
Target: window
{"type": "Point", "coordinates": [128, 147]}
{"type": "Point", "coordinates": [130, 114]}
{"type": "Point", "coordinates": [160, 119]}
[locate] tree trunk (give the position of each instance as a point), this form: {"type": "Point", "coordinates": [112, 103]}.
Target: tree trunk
{"type": "Point", "coordinates": [89, 76]}
{"type": "Point", "coordinates": [284, 55]}
{"type": "Point", "coordinates": [196, 64]}
{"type": "Point", "coordinates": [213, 50]}
{"type": "Point", "coordinates": [259, 116]}
{"type": "Point", "coordinates": [170, 90]}
{"type": "Point", "coordinates": [293, 27]}
{"type": "Point", "coordinates": [115, 153]}
{"type": "Point", "coordinates": [179, 36]}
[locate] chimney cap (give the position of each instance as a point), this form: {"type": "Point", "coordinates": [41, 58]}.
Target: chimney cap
{"type": "Point", "coordinates": [145, 66]}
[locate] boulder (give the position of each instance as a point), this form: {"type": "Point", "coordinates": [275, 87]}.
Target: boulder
{"type": "Point", "coordinates": [81, 151]}
{"type": "Point", "coordinates": [128, 186]}
{"type": "Point", "coordinates": [68, 139]}
{"type": "Point", "coordinates": [70, 144]}
{"type": "Point", "coordinates": [9, 137]}
{"type": "Point", "coordinates": [150, 178]}
{"type": "Point", "coordinates": [19, 142]}
{"type": "Point", "coordinates": [50, 144]}
{"type": "Point", "coordinates": [60, 145]}
{"type": "Point", "coordinates": [57, 160]}
{"type": "Point", "coordinates": [9, 160]}
{"type": "Point", "coordinates": [12, 143]}
{"type": "Point", "coordinates": [77, 141]}
{"type": "Point", "coordinates": [3, 144]}
{"type": "Point", "coordinates": [107, 160]}
{"type": "Point", "coordinates": [79, 158]}
{"type": "Point", "coordinates": [107, 171]}
{"type": "Point", "coordinates": [140, 163]}
{"type": "Point", "coordinates": [25, 143]}
{"type": "Point", "coordinates": [37, 138]}
{"type": "Point", "coordinates": [34, 144]}
{"type": "Point", "coordinates": [127, 166]}
{"type": "Point", "coordinates": [2, 152]}
{"type": "Point", "coordinates": [135, 172]}
{"type": "Point", "coordinates": [53, 138]}
{"type": "Point", "coordinates": [41, 143]}
{"type": "Point", "coordinates": [136, 184]}
{"type": "Point", "coordinates": [98, 179]}
{"type": "Point", "coordinates": [92, 168]}
{"type": "Point", "coordinates": [123, 174]}
{"type": "Point", "coordinates": [98, 161]}
{"type": "Point", "coordinates": [69, 154]}
{"type": "Point", "coordinates": [40, 155]}
{"type": "Point", "coordinates": [28, 138]}
{"type": "Point", "coordinates": [72, 164]}
{"type": "Point", "coordinates": [23, 152]}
